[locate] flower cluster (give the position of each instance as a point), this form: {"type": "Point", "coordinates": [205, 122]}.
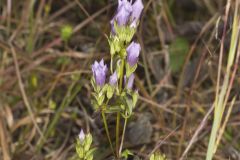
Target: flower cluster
{"type": "Point", "coordinates": [124, 58]}
{"type": "Point", "coordinates": [113, 85]}
{"type": "Point", "coordinates": [127, 13]}
{"type": "Point", "coordinates": [83, 146]}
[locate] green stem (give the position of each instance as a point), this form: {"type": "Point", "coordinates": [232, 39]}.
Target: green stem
{"type": "Point", "coordinates": [117, 133]}
{"type": "Point", "coordinates": [107, 131]}
{"type": "Point", "coordinates": [111, 64]}
{"type": "Point", "coordinates": [118, 113]}
{"type": "Point", "coordinates": [121, 75]}
{"type": "Point", "coordinates": [123, 135]}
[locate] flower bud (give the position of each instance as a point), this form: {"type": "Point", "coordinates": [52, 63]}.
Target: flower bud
{"type": "Point", "coordinates": [99, 72]}
{"type": "Point", "coordinates": [129, 82]}
{"type": "Point", "coordinates": [81, 136]}
{"type": "Point", "coordinates": [113, 79]}
{"type": "Point", "coordinates": [133, 51]}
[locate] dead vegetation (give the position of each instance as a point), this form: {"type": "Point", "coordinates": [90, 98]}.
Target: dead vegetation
{"type": "Point", "coordinates": [45, 85]}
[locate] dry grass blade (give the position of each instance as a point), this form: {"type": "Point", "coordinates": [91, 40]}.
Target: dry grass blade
{"type": "Point", "coordinates": [158, 106]}
{"type": "Point", "coordinates": [45, 87]}
{"type": "Point", "coordinates": [223, 96]}
{"type": "Point", "coordinates": [24, 96]}
{"type": "Point", "coordinates": [3, 140]}
{"type": "Point", "coordinates": [198, 130]}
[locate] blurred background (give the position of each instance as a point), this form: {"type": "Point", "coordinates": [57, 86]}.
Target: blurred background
{"type": "Point", "coordinates": [46, 51]}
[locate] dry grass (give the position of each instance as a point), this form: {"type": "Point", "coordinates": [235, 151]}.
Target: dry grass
{"type": "Point", "coordinates": [45, 87]}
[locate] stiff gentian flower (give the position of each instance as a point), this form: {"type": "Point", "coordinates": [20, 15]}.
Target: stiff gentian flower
{"type": "Point", "coordinates": [112, 27]}
{"type": "Point", "coordinates": [130, 81]}
{"type": "Point", "coordinates": [113, 79]}
{"type": "Point", "coordinates": [137, 8]}
{"type": "Point", "coordinates": [123, 12]}
{"type": "Point", "coordinates": [120, 2]}
{"type": "Point", "coordinates": [81, 136]}
{"type": "Point", "coordinates": [99, 72]}
{"type": "Point", "coordinates": [133, 51]}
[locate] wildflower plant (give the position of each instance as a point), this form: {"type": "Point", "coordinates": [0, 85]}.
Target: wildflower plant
{"type": "Point", "coordinates": [113, 86]}
{"type": "Point", "coordinates": [83, 146]}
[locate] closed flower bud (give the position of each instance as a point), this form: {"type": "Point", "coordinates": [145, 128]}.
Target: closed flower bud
{"type": "Point", "coordinates": [113, 79]}
{"type": "Point", "coordinates": [133, 51]}
{"type": "Point", "coordinates": [129, 81]}
{"type": "Point", "coordinates": [113, 31]}
{"type": "Point", "coordinates": [99, 72]}
{"type": "Point", "coordinates": [81, 136]}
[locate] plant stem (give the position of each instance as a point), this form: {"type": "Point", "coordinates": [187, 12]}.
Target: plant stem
{"type": "Point", "coordinates": [117, 133]}
{"type": "Point", "coordinates": [111, 64]}
{"type": "Point", "coordinates": [107, 131]}
{"type": "Point", "coordinates": [118, 113]}
{"type": "Point", "coordinates": [121, 75]}
{"type": "Point", "coordinates": [123, 135]}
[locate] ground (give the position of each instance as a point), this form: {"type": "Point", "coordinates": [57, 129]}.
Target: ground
{"type": "Point", "coordinates": [46, 51]}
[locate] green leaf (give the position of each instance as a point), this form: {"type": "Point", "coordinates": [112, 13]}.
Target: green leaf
{"type": "Point", "coordinates": [52, 105]}
{"type": "Point", "coordinates": [110, 90]}
{"type": "Point", "coordinates": [88, 142]}
{"type": "Point", "coordinates": [130, 70]}
{"type": "Point", "coordinates": [113, 109]}
{"type": "Point", "coordinates": [93, 84]}
{"type": "Point", "coordinates": [157, 156]}
{"type": "Point", "coordinates": [89, 154]}
{"type": "Point", "coordinates": [80, 151]}
{"type": "Point", "coordinates": [152, 157]}
{"type": "Point", "coordinates": [129, 106]}
{"type": "Point", "coordinates": [100, 100]}
{"type": "Point", "coordinates": [130, 31]}
{"type": "Point", "coordinates": [66, 32]}
{"type": "Point", "coordinates": [126, 153]}
{"type": "Point", "coordinates": [178, 51]}
{"type": "Point", "coordinates": [134, 98]}
{"type": "Point", "coordinates": [34, 80]}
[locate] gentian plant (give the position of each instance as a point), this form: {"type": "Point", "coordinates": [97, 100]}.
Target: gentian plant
{"type": "Point", "coordinates": [83, 146]}
{"type": "Point", "coordinates": [115, 93]}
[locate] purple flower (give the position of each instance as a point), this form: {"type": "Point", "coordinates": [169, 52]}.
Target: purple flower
{"type": "Point", "coordinates": [113, 79]}
{"type": "Point", "coordinates": [81, 136]}
{"type": "Point", "coordinates": [120, 2]}
{"type": "Point", "coordinates": [123, 12]}
{"type": "Point", "coordinates": [133, 51]}
{"type": "Point", "coordinates": [137, 8]}
{"type": "Point", "coordinates": [130, 81]}
{"type": "Point", "coordinates": [99, 72]}
{"type": "Point", "coordinates": [112, 27]}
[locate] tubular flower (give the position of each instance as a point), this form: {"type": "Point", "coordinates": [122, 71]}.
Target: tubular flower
{"type": "Point", "coordinates": [123, 13]}
{"type": "Point", "coordinates": [133, 51]}
{"type": "Point", "coordinates": [113, 79]}
{"type": "Point", "coordinates": [99, 72]}
{"type": "Point", "coordinates": [130, 81]}
{"type": "Point", "coordinates": [137, 8]}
